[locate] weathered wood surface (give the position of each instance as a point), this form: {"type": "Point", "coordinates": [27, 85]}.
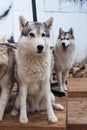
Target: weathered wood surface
{"type": "Point", "coordinates": [77, 104]}
{"type": "Point", "coordinates": [77, 87]}
{"type": "Point", "coordinates": [77, 114]}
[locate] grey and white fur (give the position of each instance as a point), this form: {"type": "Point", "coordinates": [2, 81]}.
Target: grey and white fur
{"type": "Point", "coordinates": [33, 70]}
{"type": "Point", "coordinates": [63, 55]}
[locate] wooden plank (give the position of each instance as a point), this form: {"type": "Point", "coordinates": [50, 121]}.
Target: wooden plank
{"type": "Point", "coordinates": [37, 120]}
{"type": "Point", "coordinates": [77, 127]}
{"type": "Point", "coordinates": [77, 114]}
{"type": "Point", "coordinates": [77, 87]}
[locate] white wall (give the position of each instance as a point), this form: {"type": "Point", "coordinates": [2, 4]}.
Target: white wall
{"type": "Point", "coordinates": [46, 9]}
{"type": "Point", "coordinates": [65, 20]}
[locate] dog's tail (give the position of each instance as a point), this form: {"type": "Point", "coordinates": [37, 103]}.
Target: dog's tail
{"type": "Point", "coordinates": [57, 106]}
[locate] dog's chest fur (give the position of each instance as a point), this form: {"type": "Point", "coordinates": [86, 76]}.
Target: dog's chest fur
{"type": "Point", "coordinates": [33, 67]}
{"type": "Point", "coordinates": [63, 60]}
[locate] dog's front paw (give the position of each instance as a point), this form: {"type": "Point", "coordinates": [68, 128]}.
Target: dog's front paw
{"type": "Point", "coordinates": [53, 119]}
{"type": "Point", "coordinates": [23, 120]}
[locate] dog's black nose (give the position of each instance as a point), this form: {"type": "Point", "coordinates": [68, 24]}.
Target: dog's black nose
{"type": "Point", "coordinates": [63, 44]}
{"type": "Point", "coordinates": [40, 48]}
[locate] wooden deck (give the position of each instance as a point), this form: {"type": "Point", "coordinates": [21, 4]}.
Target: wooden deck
{"type": "Point", "coordinates": [77, 87]}
{"type": "Point", "coordinates": [74, 117]}
{"type": "Point", "coordinates": [77, 104]}
{"type": "Point", "coordinates": [77, 113]}
{"type": "Point", "coordinates": [37, 120]}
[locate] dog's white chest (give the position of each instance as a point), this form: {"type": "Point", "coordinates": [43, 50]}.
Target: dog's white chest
{"type": "Point", "coordinates": [63, 61]}
{"type": "Point", "coordinates": [34, 68]}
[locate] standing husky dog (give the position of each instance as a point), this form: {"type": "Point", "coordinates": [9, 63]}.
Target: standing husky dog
{"type": "Point", "coordinates": [7, 62]}
{"type": "Point", "coordinates": [63, 53]}
{"type": "Point", "coordinates": [33, 70]}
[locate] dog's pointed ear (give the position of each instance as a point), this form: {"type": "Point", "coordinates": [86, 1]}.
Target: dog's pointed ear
{"type": "Point", "coordinates": [60, 30]}
{"type": "Point", "coordinates": [22, 22]}
{"type": "Point", "coordinates": [71, 31]}
{"type": "Point", "coordinates": [49, 23]}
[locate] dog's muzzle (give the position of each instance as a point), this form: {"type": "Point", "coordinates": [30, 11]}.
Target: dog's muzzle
{"type": "Point", "coordinates": [40, 48]}
{"type": "Point", "coordinates": [65, 46]}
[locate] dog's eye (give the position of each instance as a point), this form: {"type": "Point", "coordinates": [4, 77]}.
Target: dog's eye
{"type": "Point", "coordinates": [43, 34]}
{"type": "Point", "coordinates": [31, 34]}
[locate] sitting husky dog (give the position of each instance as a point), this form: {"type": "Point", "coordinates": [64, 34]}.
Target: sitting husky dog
{"type": "Point", "coordinates": [33, 70]}
{"type": "Point", "coordinates": [7, 63]}
{"type": "Point", "coordinates": [63, 54]}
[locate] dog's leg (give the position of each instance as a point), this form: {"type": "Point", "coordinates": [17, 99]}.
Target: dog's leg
{"type": "Point", "coordinates": [23, 103]}
{"type": "Point", "coordinates": [51, 116]}
{"type": "Point", "coordinates": [59, 77]}
{"type": "Point", "coordinates": [3, 100]}
{"type": "Point", "coordinates": [64, 78]}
